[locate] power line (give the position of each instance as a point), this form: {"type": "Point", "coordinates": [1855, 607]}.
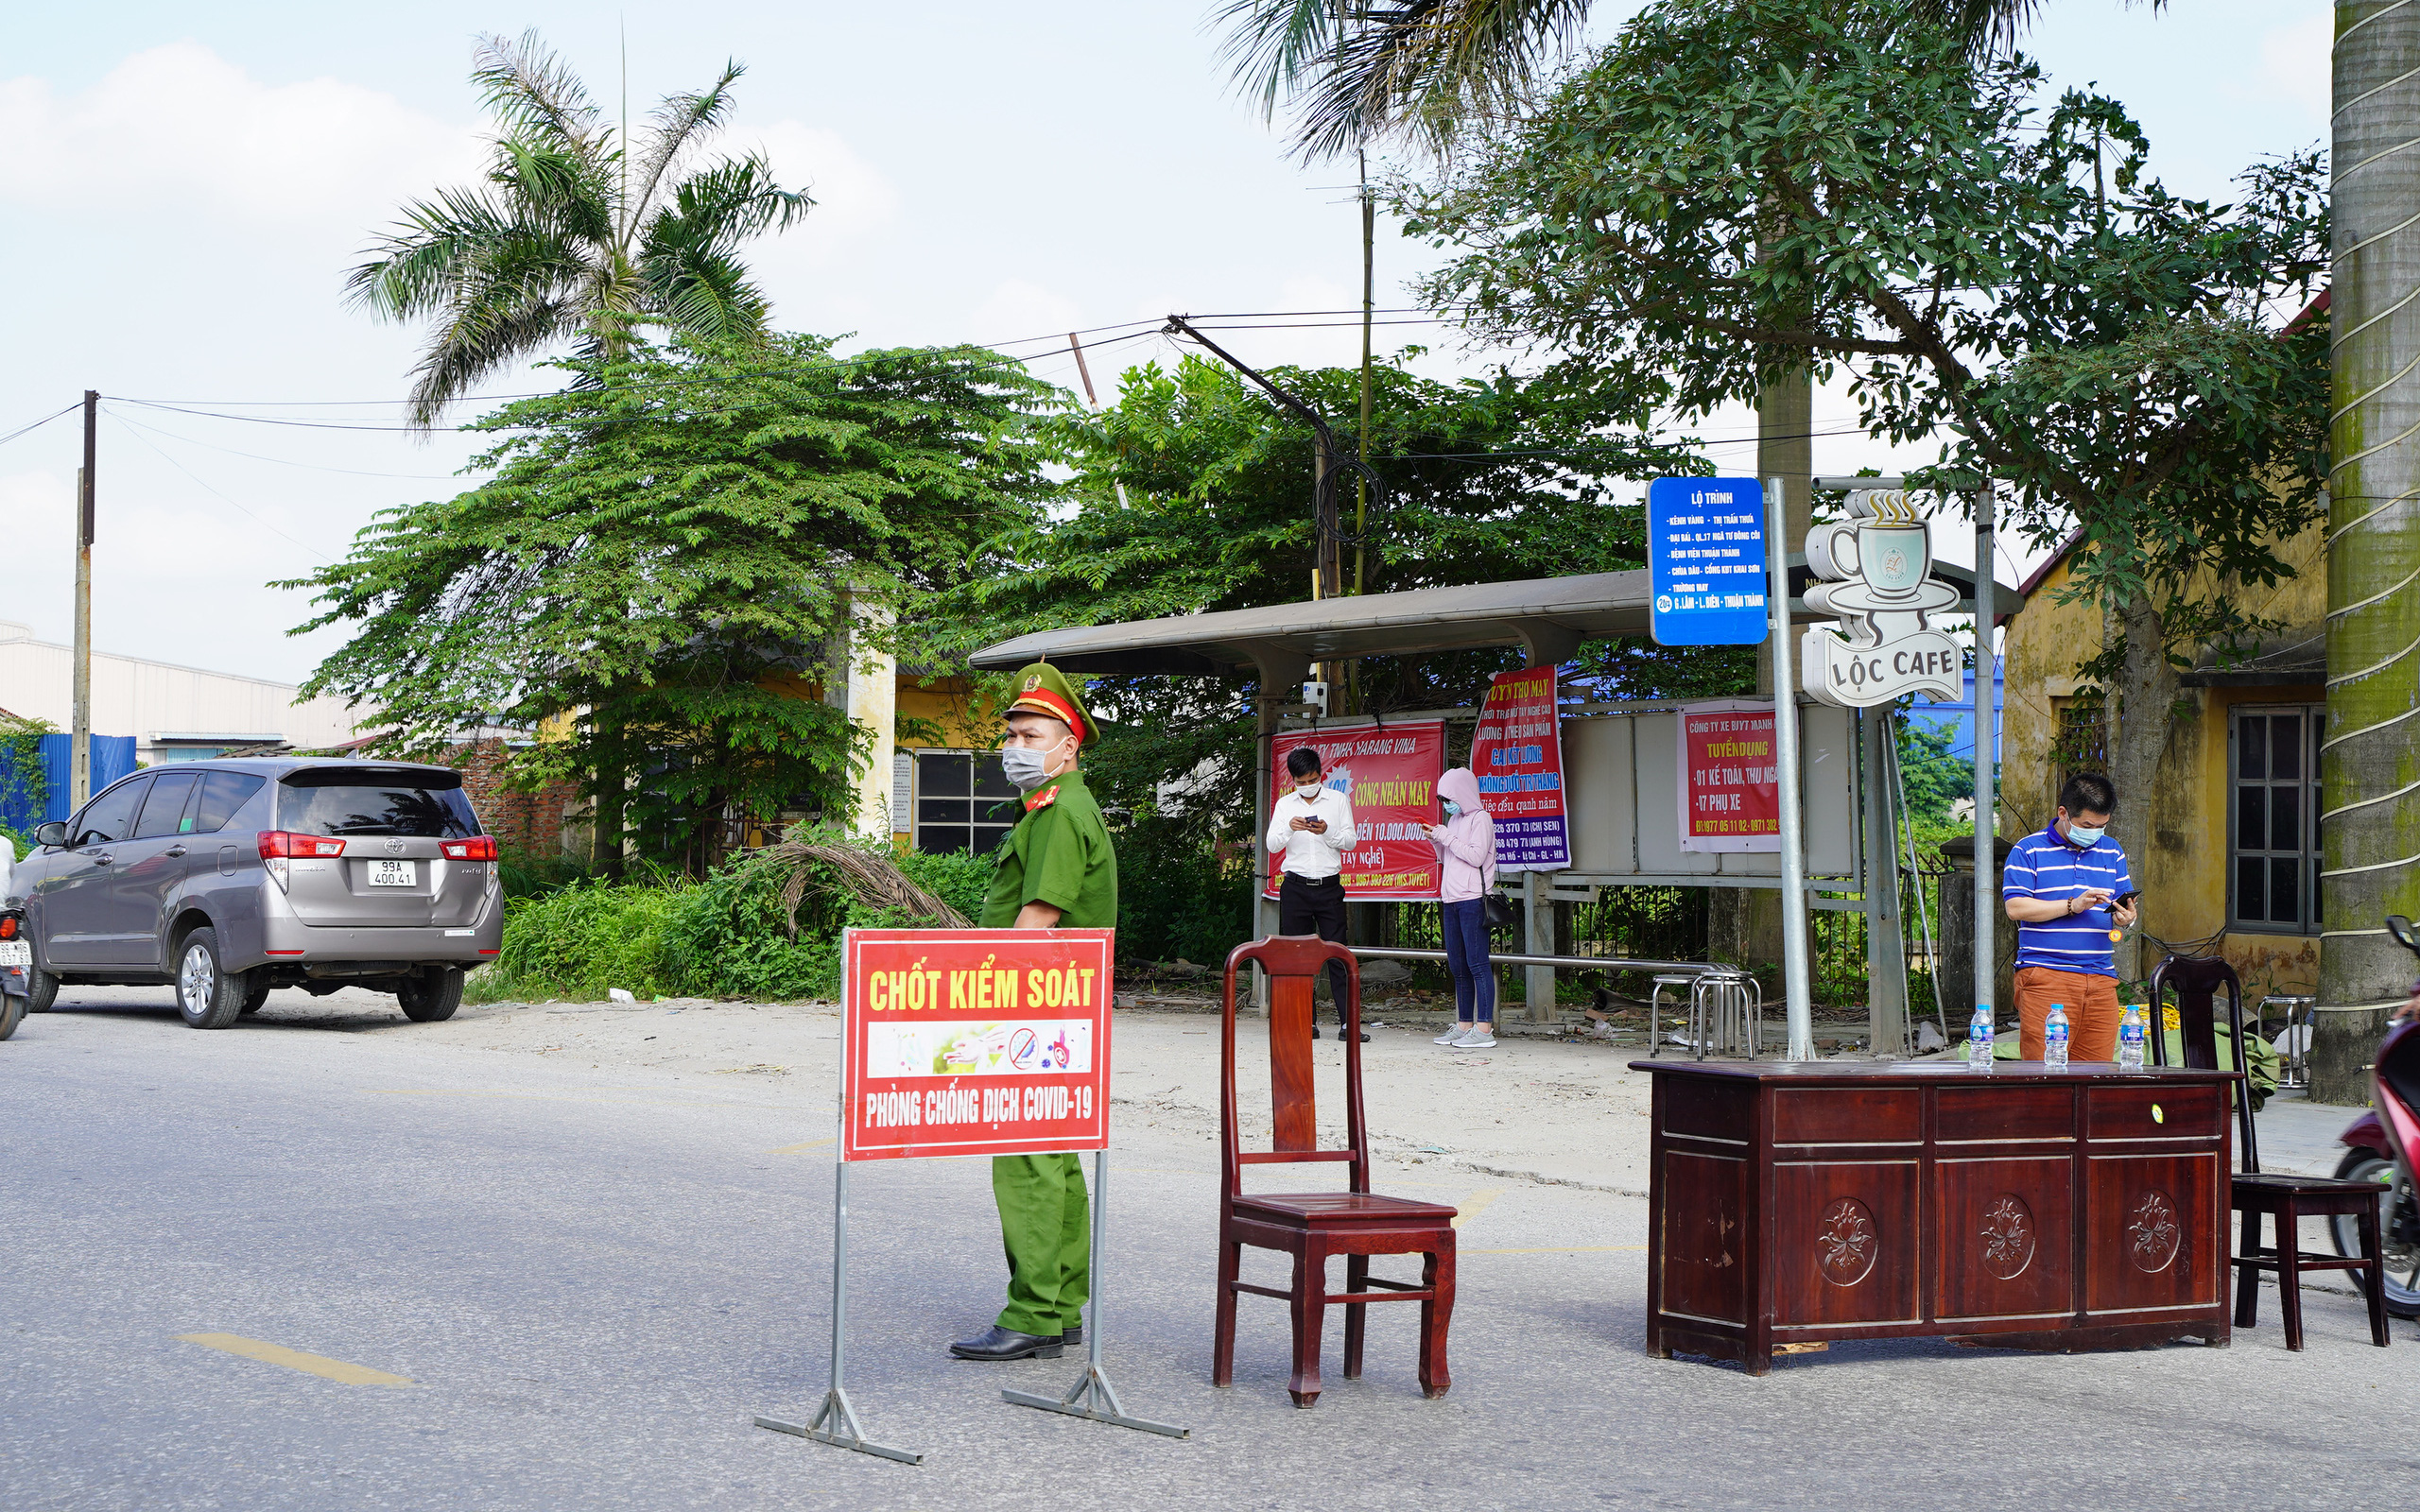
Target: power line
{"type": "Point", "coordinates": [196, 478]}
{"type": "Point", "coordinates": [29, 429]}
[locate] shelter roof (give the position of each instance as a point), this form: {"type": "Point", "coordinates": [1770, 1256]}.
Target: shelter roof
{"type": "Point", "coordinates": [1548, 617]}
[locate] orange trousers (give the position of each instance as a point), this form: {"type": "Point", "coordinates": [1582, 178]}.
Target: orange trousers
{"type": "Point", "coordinates": [2092, 1010]}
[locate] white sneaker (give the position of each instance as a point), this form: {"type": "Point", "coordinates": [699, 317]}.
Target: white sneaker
{"type": "Point", "coordinates": [1451, 1035]}
{"type": "Point", "coordinates": [1475, 1040]}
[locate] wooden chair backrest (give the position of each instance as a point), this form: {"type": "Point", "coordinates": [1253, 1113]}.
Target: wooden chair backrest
{"type": "Point", "coordinates": [1294, 963]}
{"type": "Point", "coordinates": [2196, 980]}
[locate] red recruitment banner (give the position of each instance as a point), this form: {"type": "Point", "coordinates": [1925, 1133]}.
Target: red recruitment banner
{"type": "Point", "coordinates": [1389, 773]}
{"type": "Point", "coordinates": [1516, 755]}
{"type": "Point", "coordinates": [1729, 799]}
{"type": "Point", "coordinates": [974, 1042]}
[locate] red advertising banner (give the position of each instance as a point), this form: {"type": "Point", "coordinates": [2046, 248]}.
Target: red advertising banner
{"type": "Point", "coordinates": [1516, 755]}
{"type": "Point", "coordinates": [1729, 799]}
{"type": "Point", "coordinates": [974, 1042]}
{"type": "Point", "coordinates": [1389, 773]}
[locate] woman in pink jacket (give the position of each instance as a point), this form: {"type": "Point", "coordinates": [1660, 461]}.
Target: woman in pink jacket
{"type": "Point", "coordinates": [1465, 846]}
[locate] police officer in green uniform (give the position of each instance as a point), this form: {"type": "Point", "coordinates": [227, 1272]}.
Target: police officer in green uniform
{"type": "Point", "coordinates": [1058, 870]}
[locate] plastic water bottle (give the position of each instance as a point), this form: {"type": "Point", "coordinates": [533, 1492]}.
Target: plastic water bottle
{"type": "Point", "coordinates": [1978, 1039]}
{"type": "Point", "coordinates": [2054, 1037]}
{"type": "Point", "coordinates": [2129, 1038]}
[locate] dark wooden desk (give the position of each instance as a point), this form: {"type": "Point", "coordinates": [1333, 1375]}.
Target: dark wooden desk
{"type": "Point", "coordinates": [1797, 1202]}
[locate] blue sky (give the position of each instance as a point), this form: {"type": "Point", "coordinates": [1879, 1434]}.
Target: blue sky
{"type": "Point", "coordinates": [181, 188]}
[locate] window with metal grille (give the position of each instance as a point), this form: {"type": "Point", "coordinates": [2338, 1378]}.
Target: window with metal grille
{"type": "Point", "coordinates": [963, 801]}
{"type": "Point", "coordinates": [2273, 853]}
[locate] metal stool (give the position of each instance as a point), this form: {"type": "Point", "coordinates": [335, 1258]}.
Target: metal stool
{"type": "Point", "coordinates": [1728, 1008]}
{"type": "Point", "coordinates": [2293, 1070]}
{"type": "Point", "coordinates": [1654, 997]}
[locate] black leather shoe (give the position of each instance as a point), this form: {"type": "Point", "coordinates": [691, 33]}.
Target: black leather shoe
{"type": "Point", "coordinates": [1315, 1032]}
{"type": "Point", "coordinates": [1073, 1336]}
{"type": "Point", "coordinates": [1008, 1344]}
{"type": "Point", "coordinates": [1365, 1034]}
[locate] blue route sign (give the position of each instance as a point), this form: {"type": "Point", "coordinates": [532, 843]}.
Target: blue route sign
{"type": "Point", "coordinates": [1706, 561]}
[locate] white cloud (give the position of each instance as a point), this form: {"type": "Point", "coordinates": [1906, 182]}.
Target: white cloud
{"type": "Point", "coordinates": [179, 126]}
{"type": "Point", "coordinates": [2296, 62]}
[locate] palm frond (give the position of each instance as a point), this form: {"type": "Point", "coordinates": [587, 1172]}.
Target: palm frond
{"type": "Point", "coordinates": [1990, 25]}
{"type": "Point", "coordinates": [528, 88]}
{"type": "Point", "coordinates": [677, 122]}
{"type": "Point", "coordinates": [820, 858]}
{"type": "Point", "coordinates": [1418, 68]}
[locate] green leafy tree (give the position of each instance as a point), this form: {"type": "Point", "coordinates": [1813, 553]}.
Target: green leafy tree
{"type": "Point", "coordinates": [1935, 780]}
{"type": "Point", "coordinates": [662, 555]}
{"type": "Point", "coordinates": [1720, 187]}
{"type": "Point", "coordinates": [578, 234]}
{"type": "Point", "coordinates": [1484, 481]}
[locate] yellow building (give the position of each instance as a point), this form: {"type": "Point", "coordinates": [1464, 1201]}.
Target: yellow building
{"type": "Point", "coordinates": [2231, 845]}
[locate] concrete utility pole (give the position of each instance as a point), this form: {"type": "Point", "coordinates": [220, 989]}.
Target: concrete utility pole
{"type": "Point", "coordinates": [79, 743]}
{"type": "Point", "coordinates": [2369, 820]}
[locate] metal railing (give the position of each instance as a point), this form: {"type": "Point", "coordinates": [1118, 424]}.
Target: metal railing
{"type": "Point", "coordinates": [1726, 1005]}
{"type": "Point", "coordinates": [1575, 963]}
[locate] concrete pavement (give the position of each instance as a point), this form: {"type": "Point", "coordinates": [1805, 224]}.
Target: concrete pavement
{"type": "Point", "coordinates": [595, 1271]}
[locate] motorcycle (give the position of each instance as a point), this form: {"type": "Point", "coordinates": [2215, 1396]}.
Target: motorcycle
{"type": "Point", "coordinates": [2384, 1145]}
{"type": "Point", "coordinates": [16, 967]}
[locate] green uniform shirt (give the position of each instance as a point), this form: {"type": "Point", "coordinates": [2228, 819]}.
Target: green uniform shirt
{"type": "Point", "coordinates": [1057, 854]}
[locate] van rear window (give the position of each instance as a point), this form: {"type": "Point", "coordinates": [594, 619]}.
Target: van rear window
{"type": "Point", "coordinates": [356, 800]}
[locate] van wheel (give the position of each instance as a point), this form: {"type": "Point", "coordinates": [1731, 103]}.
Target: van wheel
{"type": "Point", "coordinates": [257, 996]}
{"type": "Point", "coordinates": [208, 996]}
{"type": "Point", "coordinates": [433, 997]}
{"type": "Point", "coordinates": [42, 989]}
{"type": "Point", "coordinates": [12, 1013]}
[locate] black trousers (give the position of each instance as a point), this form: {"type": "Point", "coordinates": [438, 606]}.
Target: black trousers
{"type": "Point", "coordinates": [1308, 905]}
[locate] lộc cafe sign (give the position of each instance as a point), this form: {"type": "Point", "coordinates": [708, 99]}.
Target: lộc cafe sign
{"type": "Point", "coordinates": [1877, 572]}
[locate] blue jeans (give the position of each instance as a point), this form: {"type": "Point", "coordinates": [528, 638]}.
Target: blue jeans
{"type": "Point", "coordinates": [1466, 958]}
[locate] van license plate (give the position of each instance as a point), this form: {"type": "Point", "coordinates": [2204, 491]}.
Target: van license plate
{"type": "Point", "coordinates": [394, 874]}
{"type": "Point", "coordinates": [16, 953]}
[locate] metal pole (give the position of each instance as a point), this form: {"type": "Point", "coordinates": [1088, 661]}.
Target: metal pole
{"type": "Point", "coordinates": [1886, 945]}
{"type": "Point", "coordinates": [1801, 1007]}
{"type": "Point", "coordinates": [1987, 884]}
{"type": "Point", "coordinates": [836, 1421]}
{"type": "Point", "coordinates": [80, 741]}
{"type": "Point", "coordinates": [1092, 1396]}
{"type": "Point", "coordinates": [839, 1265]}
{"type": "Point", "coordinates": [1100, 1230]}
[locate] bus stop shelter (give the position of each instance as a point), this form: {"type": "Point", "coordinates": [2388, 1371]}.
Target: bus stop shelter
{"type": "Point", "coordinates": [1620, 765]}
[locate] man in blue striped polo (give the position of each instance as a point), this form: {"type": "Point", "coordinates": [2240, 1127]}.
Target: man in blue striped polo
{"type": "Point", "coordinates": [2067, 888]}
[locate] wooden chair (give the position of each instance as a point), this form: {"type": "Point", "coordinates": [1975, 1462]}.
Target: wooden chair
{"type": "Point", "coordinates": [2285, 1199]}
{"type": "Point", "coordinates": [1311, 1226]}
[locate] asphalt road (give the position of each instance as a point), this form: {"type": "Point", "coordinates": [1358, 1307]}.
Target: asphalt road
{"type": "Point", "coordinates": [592, 1280]}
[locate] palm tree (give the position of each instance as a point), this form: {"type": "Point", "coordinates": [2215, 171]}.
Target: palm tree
{"type": "Point", "coordinates": [578, 234]}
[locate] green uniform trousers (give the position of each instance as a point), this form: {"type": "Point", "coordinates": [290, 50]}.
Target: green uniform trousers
{"type": "Point", "coordinates": [1045, 1225]}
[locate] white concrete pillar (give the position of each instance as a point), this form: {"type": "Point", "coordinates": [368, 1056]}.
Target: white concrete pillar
{"type": "Point", "coordinates": [863, 683]}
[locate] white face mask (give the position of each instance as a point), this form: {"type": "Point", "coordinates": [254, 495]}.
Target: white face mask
{"type": "Point", "coordinates": [1026, 768]}
{"type": "Point", "coordinates": [1308, 787]}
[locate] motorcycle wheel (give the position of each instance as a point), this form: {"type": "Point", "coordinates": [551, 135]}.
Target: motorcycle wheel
{"type": "Point", "coordinates": [2402, 1257]}
{"type": "Point", "coordinates": [12, 1012]}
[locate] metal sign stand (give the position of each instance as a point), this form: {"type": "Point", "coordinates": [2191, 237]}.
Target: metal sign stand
{"type": "Point", "coordinates": [1092, 1396]}
{"type": "Point", "coordinates": [836, 1421]}
{"type": "Point", "coordinates": [1799, 998]}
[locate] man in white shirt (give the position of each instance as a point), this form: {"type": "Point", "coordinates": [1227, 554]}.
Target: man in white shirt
{"type": "Point", "coordinates": [1312, 827]}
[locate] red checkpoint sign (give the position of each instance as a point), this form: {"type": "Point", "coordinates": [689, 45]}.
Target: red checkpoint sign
{"type": "Point", "coordinates": [974, 1042]}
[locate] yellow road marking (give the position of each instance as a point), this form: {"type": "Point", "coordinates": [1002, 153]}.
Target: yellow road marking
{"type": "Point", "coordinates": [793, 1149]}
{"type": "Point", "coordinates": [1560, 1250]}
{"type": "Point", "coordinates": [1476, 1204]}
{"type": "Point", "coordinates": [310, 1365]}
